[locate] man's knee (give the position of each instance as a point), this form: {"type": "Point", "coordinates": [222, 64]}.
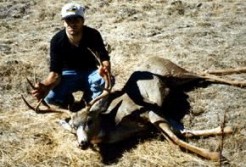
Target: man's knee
{"type": "Point", "coordinates": [59, 100]}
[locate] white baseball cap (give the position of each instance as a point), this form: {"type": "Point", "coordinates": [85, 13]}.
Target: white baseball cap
{"type": "Point", "coordinates": [72, 10]}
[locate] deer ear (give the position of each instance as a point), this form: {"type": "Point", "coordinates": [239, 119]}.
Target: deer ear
{"type": "Point", "coordinates": [66, 125]}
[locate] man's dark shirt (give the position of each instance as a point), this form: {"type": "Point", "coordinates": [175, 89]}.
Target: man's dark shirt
{"type": "Point", "coordinates": [65, 56]}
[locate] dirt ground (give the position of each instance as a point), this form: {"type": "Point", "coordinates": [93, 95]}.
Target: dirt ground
{"type": "Point", "coordinates": [197, 35]}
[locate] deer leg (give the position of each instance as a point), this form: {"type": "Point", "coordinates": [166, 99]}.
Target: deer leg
{"type": "Point", "coordinates": [207, 132]}
{"type": "Point", "coordinates": [162, 124]}
{"type": "Point", "coordinates": [211, 76]}
{"type": "Point", "coordinates": [228, 71]}
{"type": "Point", "coordinates": [214, 78]}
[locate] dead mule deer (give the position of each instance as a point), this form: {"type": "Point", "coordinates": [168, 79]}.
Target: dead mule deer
{"type": "Point", "coordinates": [115, 116]}
{"type": "Point", "coordinates": [125, 113]}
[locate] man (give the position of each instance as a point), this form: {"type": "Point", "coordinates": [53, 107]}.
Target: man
{"type": "Point", "coordinates": [72, 65]}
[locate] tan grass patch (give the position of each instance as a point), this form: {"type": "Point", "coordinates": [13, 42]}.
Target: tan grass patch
{"type": "Point", "coordinates": [197, 35]}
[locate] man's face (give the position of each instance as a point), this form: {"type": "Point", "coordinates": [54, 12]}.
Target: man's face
{"type": "Point", "coordinates": [74, 25]}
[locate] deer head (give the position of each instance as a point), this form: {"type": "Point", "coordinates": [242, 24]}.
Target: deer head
{"type": "Point", "coordinates": [86, 126]}
{"type": "Point", "coordinates": [85, 122]}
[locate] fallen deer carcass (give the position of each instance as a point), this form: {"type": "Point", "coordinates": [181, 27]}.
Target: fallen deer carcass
{"type": "Point", "coordinates": [119, 115]}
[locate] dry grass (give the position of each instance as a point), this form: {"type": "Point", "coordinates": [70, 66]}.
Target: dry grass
{"type": "Point", "coordinates": [196, 35]}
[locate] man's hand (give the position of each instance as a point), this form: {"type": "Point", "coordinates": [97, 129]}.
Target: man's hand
{"type": "Point", "coordinates": [105, 73]}
{"type": "Point", "coordinates": [40, 91]}
{"type": "Point", "coordinates": [43, 88]}
{"type": "Point", "coordinates": [102, 70]}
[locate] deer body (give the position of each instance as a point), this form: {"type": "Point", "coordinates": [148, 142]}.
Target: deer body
{"type": "Point", "coordinates": [138, 106]}
{"type": "Point", "coordinates": [115, 116]}
{"type": "Point", "coordinates": [127, 111]}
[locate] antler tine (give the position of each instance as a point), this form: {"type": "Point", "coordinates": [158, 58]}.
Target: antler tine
{"type": "Point", "coordinates": [96, 56]}
{"type": "Point", "coordinates": [107, 79]}
{"type": "Point", "coordinates": [30, 83]}
{"type": "Point", "coordinates": [38, 111]}
{"type": "Point", "coordinates": [28, 105]}
{"type": "Point", "coordinates": [36, 108]}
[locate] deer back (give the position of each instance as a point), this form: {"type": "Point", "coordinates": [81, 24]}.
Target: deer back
{"type": "Point", "coordinates": [173, 74]}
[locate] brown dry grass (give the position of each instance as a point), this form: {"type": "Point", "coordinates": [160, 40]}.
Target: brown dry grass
{"type": "Point", "coordinates": [196, 35]}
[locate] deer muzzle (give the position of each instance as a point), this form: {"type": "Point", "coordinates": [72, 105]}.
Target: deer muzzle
{"type": "Point", "coordinates": [82, 138]}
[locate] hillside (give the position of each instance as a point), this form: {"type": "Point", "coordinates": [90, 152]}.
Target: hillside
{"type": "Point", "coordinates": [197, 35]}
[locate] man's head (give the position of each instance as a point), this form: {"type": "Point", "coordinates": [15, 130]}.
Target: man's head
{"type": "Point", "coordinates": [73, 16]}
{"type": "Point", "coordinates": [72, 10]}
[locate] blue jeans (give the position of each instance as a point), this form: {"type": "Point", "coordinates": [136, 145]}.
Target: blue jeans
{"type": "Point", "coordinates": [90, 82]}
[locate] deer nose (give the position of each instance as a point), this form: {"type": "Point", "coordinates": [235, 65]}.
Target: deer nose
{"type": "Point", "coordinates": [82, 138]}
{"type": "Point", "coordinates": [84, 145]}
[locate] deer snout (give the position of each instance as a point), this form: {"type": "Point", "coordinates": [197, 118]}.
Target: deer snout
{"type": "Point", "coordinates": [82, 138]}
{"type": "Point", "coordinates": [84, 145]}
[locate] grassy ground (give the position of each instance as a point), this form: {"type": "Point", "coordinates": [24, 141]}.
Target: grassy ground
{"type": "Point", "coordinates": [196, 35]}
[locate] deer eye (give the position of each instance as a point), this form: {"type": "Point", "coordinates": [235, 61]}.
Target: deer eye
{"type": "Point", "coordinates": [76, 123]}
{"type": "Point", "coordinates": [89, 122]}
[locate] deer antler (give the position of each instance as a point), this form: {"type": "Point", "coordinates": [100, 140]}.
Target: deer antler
{"type": "Point", "coordinates": [107, 79]}
{"type": "Point", "coordinates": [41, 101]}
